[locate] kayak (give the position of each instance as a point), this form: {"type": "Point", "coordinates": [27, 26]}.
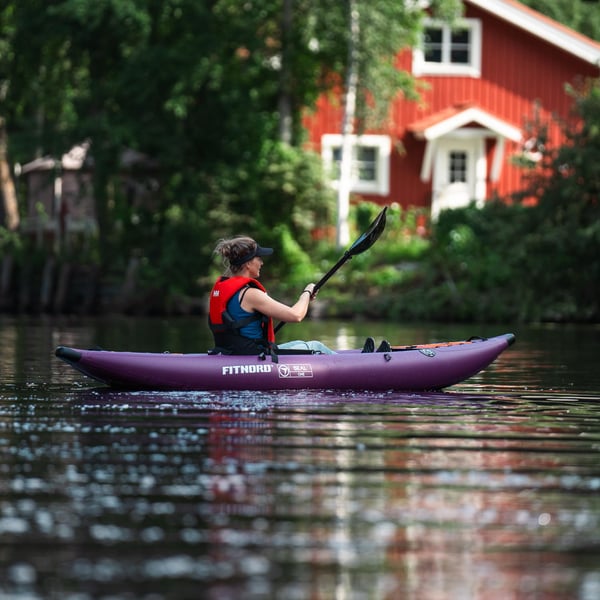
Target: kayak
{"type": "Point", "coordinates": [404, 368]}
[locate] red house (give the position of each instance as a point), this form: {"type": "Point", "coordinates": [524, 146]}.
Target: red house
{"type": "Point", "coordinates": [502, 65]}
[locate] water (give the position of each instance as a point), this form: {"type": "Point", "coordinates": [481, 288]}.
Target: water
{"type": "Point", "coordinates": [489, 490]}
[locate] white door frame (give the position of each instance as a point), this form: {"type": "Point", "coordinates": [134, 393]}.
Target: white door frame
{"type": "Point", "coordinates": [446, 194]}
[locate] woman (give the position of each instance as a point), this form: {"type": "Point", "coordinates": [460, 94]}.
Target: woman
{"type": "Point", "coordinates": [241, 313]}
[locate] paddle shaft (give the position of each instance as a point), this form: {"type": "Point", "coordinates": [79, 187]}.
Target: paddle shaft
{"type": "Point", "coordinates": [347, 256]}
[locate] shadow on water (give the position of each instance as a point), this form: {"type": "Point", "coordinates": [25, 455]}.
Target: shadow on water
{"type": "Point", "coordinates": [489, 490]}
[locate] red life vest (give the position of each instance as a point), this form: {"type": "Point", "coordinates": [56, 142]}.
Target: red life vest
{"type": "Point", "coordinates": [221, 324]}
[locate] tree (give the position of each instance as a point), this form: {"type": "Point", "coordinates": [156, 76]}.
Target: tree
{"type": "Point", "coordinates": [564, 229]}
{"type": "Point", "coordinates": [215, 91]}
{"type": "Point", "coordinates": [7, 187]}
{"type": "Point", "coordinates": [566, 182]}
{"type": "Point", "coordinates": [347, 128]}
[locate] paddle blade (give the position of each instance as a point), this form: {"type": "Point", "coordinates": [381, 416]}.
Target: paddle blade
{"type": "Point", "coordinates": [369, 237]}
{"type": "Point", "coordinates": [364, 242]}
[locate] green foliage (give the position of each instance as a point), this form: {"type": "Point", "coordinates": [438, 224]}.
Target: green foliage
{"type": "Point", "coordinates": [10, 241]}
{"type": "Point", "coordinates": [199, 86]}
{"type": "Point", "coordinates": [278, 198]}
{"type": "Point", "coordinates": [508, 263]}
{"type": "Point", "coordinates": [291, 262]}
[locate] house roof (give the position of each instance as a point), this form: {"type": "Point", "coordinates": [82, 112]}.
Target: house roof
{"type": "Point", "coordinates": [79, 155]}
{"type": "Point", "coordinates": [545, 28]}
{"type": "Point", "coordinates": [458, 116]}
{"type": "Point", "coordinates": [71, 160]}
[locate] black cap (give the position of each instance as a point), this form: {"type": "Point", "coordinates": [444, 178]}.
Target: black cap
{"type": "Point", "coordinates": [258, 251]}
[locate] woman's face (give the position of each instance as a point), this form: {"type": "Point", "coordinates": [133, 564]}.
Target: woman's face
{"type": "Point", "coordinates": [254, 266]}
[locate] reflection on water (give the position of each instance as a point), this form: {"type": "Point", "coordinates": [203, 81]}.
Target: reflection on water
{"type": "Point", "coordinates": [487, 491]}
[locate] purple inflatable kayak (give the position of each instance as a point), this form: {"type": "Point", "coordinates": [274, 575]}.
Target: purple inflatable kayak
{"type": "Point", "coordinates": [426, 367]}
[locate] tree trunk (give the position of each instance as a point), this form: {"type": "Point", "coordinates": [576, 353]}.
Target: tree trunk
{"type": "Point", "coordinates": [343, 198]}
{"type": "Point", "coordinates": [284, 100]}
{"type": "Point", "coordinates": [7, 185]}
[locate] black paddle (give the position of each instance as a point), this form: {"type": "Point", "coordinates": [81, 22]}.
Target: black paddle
{"type": "Point", "coordinates": [364, 242]}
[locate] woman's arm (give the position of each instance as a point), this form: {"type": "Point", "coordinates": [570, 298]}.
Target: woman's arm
{"type": "Point", "coordinates": [257, 300]}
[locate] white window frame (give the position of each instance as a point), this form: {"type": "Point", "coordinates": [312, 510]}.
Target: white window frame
{"type": "Point", "coordinates": [382, 144]}
{"type": "Point", "coordinates": [421, 67]}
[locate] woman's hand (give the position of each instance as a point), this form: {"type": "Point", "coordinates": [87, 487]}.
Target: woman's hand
{"type": "Point", "coordinates": [309, 288]}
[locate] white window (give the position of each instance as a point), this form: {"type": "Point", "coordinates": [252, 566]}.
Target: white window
{"type": "Point", "coordinates": [446, 50]}
{"type": "Point", "coordinates": [457, 167]}
{"type": "Point", "coordinates": [370, 162]}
